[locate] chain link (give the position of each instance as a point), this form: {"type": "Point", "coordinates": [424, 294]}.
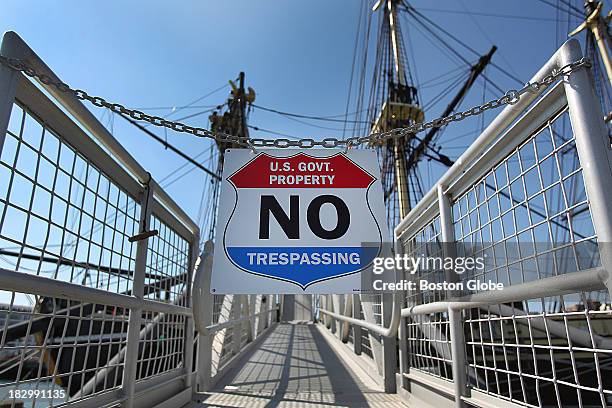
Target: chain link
{"type": "Point", "coordinates": [511, 97]}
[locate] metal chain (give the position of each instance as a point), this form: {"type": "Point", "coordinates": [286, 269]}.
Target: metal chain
{"type": "Point", "coordinates": [511, 97]}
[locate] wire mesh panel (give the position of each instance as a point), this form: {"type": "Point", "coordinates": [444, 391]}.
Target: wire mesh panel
{"type": "Point", "coordinates": [427, 337]}
{"type": "Point", "coordinates": [425, 243]}
{"type": "Point", "coordinates": [162, 344]}
{"type": "Point", "coordinates": [530, 217]}
{"type": "Point", "coordinates": [50, 351]}
{"type": "Point", "coordinates": [67, 212]}
{"type": "Point", "coordinates": [167, 265]}
{"type": "Point", "coordinates": [366, 344]}
{"type": "Point", "coordinates": [428, 345]}
{"type": "Point", "coordinates": [542, 352]}
{"type": "Point", "coordinates": [61, 216]}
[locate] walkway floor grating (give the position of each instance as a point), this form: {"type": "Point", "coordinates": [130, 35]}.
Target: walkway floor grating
{"type": "Point", "coordinates": [295, 366]}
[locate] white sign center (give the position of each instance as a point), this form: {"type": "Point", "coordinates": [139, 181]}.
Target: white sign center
{"type": "Point", "coordinates": [295, 221]}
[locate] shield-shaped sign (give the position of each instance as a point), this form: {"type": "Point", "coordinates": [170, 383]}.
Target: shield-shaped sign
{"type": "Point", "coordinates": [297, 222]}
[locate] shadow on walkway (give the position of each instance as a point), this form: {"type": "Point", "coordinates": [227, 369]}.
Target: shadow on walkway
{"type": "Point", "coordinates": [294, 366]}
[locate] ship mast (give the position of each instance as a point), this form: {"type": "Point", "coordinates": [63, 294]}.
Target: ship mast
{"type": "Point", "coordinates": [394, 103]}
{"type": "Point", "coordinates": [598, 26]}
{"type": "Point", "coordinates": [232, 121]}
{"type": "Point", "coordinates": [400, 109]}
{"type": "Point", "coordinates": [399, 145]}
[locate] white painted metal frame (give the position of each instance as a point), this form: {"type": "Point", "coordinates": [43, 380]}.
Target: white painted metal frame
{"type": "Point", "coordinates": [159, 381]}
{"type": "Point", "coordinates": [498, 140]}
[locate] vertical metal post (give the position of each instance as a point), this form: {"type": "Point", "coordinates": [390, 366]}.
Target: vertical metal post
{"type": "Point", "coordinates": [188, 352]}
{"type": "Point", "coordinates": [458, 355]}
{"type": "Point", "coordinates": [447, 232]}
{"type": "Point", "coordinates": [255, 309]}
{"type": "Point", "coordinates": [135, 319]}
{"type": "Point", "coordinates": [237, 327]}
{"type": "Point", "coordinates": [327, 304]}
{"type": "Point", "coordinates": [404, 366]}
{"type": "Point", "coordinates": [457, 339]}
{"type": "Point", "coordinates": [338, 303]}
{"type": "Point", "coordinates": [270, 304]}
{"type": "Point", "coordinates": [8, 88]}
{"type": "Point", "coordinates": [345, 327]}
{"type": "Point", "coordinates": [189, 334]}
{"type": "Point", "coordinates": [356, 329]}
{"type": "Point", "coordinates": [402, 332]}
{"type": "Point", "coordinates": [389, 347]}
{"type": "Point", "coordinates": [246, 311]}
{"type": "Point", "coordinates": [204, 311]}
{"type": "Point", "coordinates": [594, 152]}
{"type": "Point", "coordinates": [281, 309]}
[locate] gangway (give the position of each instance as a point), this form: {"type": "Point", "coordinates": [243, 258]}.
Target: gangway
{"type": "Point", "coordinates": [106, 287]}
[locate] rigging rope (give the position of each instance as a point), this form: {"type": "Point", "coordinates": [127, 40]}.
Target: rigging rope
{"type": "Point", "coordinates": [322, 118]}
{"type": "Point", "coordinates": [411, 10]}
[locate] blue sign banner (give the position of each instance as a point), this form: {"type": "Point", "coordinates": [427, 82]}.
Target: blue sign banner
{"type": "Point", "coordinates": [302, 265]}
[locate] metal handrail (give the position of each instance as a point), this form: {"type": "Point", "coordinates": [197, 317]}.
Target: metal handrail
{"type": "Point", "coordinates": [592, 279]}
{"type": "Point", "coordinates": [389, 331]}
{"type": "Point", "coordinates": [200, 289]}
{"type": "Point", "coordinates": [43, 286]}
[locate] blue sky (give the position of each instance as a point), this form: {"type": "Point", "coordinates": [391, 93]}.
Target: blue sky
{"type": "Point", "coordinates": [296, 55]}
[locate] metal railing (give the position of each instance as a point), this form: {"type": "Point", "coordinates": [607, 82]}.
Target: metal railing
{"type": "Point", "coordinates": [109, 315]}
{"type": "Point", "coordinates": [226, 324]}
{"type": "Point", "coordinates": [96, 265]}
{"type": "Point", "coordinates": [534, 191]}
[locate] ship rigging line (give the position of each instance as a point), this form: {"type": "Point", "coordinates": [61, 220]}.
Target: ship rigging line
{"type": "Point", "coordinates": [199, 113]}
{"type": "Point", "coordinates": [570, 10]}
{"type": "Point", "coordinates": [437, 98]}
{"type": "Point", "coordinates": [478, 13]}
{"type": "Point", "coordinates": [272, 132]}
{"type": "Point", "coordinates": [190, 104]}
{"type": "Point", "coordinates": [450, 48]}
{"type": "Point", "coordinates": [317, 126]}
{"type": "Point", "coordinates": [413, 12]}
{"type": "Point", "coordinates": [353, 65]}
{"type": "Point", "coordinates": [171, 147]}
{"type": "Point", "coordinates": [198, 99]}
{"type": "Point", "coordinates": [322, 118]}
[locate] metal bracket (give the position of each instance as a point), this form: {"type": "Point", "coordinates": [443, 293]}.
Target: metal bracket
{"type": "Point", "coordinates": [145, 234]}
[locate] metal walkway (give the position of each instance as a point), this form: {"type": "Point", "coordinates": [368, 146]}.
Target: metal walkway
{"type": "Point", "coordinates": [105, 294]}
{"type": "Point", "coordinates": [294, 365]}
